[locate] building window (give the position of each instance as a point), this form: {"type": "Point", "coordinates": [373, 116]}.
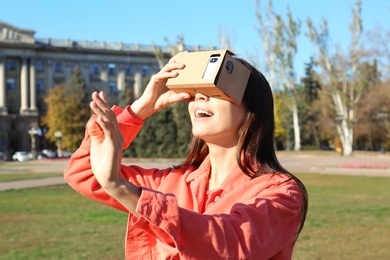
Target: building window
{"type": "Point", "coordinates": [58, 66]}
{"type": "Point", "coordinates": [39, 66]}
{"type": "Point", "coordinates": [129, 70]}
{"type": "Point", "coordinates": [10, 84]}
{"type": "Point", "coordinates": [113, 88]}
{"type": "Point", "coordinates": [40, 86]}
{"type": "Point", "coordinates": [111, 68]}
{"type": "Point", "coordinates": [95, 69]}
{"type": "Point", "coordinates": [145, 70]}
{"type": "Point", "coordinates": [10, 64]}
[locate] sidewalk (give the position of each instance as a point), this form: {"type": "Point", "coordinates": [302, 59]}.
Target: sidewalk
{"type": "Point", "coordinates": [305, 162]}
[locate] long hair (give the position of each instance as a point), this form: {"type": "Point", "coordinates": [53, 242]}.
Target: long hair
{"type": "Point", "coordinates": [255, 154]}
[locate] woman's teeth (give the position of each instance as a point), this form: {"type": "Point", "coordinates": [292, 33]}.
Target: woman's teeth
{"type": "Point", "coordinates": [202, 113]}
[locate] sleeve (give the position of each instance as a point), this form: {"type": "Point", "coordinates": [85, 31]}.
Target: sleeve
{"type": "Point", "coordinates": [260, 228]}
{"type": "Point", "coordinates": [78, 173]}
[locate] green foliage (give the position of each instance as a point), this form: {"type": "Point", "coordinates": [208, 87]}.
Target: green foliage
{"type": "Point", "coordinates": [280, 131]}
{"type": "Point", "coordinates": [125, 97]}
{"type": "Point", "coordinates": [165, 134]}
{"type": "Point", "coordinates": [68, 111]}
{"type": "Point", "coordinates": [182, 120]}
{"type": "Point", "coordinates": [310, 114]}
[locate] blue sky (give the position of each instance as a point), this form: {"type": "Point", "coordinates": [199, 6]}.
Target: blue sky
{"type": "Point", "coordinates": [148, 22]}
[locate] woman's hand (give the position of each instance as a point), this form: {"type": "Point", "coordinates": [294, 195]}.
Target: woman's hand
{"type": "Point", "coordinates": [106, 153]}
{"type": "Point", "coordinates": [156, 95]}
{"type": "Point", "coordinates": [106, 141]}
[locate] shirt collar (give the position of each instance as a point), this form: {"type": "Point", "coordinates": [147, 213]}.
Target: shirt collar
{"type": "Point", "coordinates": [203, 169]}
{"type": "Point", "coordinates": [235, 178]}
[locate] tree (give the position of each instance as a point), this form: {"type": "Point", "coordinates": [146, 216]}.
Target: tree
{"type": "Point", "coordinates": [285, 50]}
{"type": "Point", "coordinates": [340, 76]}
{"type": "Point", "coordinates": [377, 42]}
{"type": "Point", "coordinates": [55, 116]}
{"type": "Point", "coordinates": [166, 133]}
{"type": "Point", "coordinates": [280, 118]}
{"type": "Point", "coordinates": [144, 146]}
{"type": "Point", "coordinates": [373, 124]}
{"type": "Point", "coordinates": [267, 35]}
{"type": "Point", "coordinates": [310, 113]}
{"type": "Point", "coordinates": [182, 120]}
{"type": "Point", "coordinates": [126, 97]}
{"type": "Point", "coordinates": [279, 40]}
{"type": "Point", "coordinates": [68, 111]}
{"type": "Point", "coordinates": [310, 82]}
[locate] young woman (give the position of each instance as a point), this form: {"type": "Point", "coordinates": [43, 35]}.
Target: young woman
{"type": "Point", "coordinates": [229, 199]}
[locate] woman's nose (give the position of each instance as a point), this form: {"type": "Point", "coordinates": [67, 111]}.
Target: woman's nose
{"type": "Point", "coordinates": [202, 97]}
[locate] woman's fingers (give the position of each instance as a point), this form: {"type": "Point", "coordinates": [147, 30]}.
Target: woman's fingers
{"type": "Point", "coordinates": [101, 108]}
{"type": "Point", "coordinates": [103, 97]}
{"type": "Point", "coordinates": [169, 70]}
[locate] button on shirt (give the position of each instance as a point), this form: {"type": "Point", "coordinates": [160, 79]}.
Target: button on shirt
{"type": "Point", "coordinates": [212, 197]}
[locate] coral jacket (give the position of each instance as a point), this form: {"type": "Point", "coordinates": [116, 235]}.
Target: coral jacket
{"type": "Point", "coordinates": [180, 219]}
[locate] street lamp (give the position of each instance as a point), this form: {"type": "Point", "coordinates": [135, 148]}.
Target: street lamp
{"type": "Point", "coordinates": [33, 132]}
{"type": "Point", "coordinates": [58, 135]}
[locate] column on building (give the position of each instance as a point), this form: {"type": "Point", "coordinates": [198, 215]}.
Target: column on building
{"type": "Point", "coordinates": [137, 84]}
{"type": "Point", "coordinates": [104, 76]}
{"type": "Point", "coordinates": [49, 74]}
{"type": "Point", "coordinates": [68, 70]}
{"type": "Point", "coordinates": [85, 72]}
{"type": "Point", "coordinates": [33, 91]}
{"type": "Point", "coordinates": [3, 87]}
{"type": "Point", "coordinates": [24, 86]}
{"type": "Point", "coordinates": [121, 79]}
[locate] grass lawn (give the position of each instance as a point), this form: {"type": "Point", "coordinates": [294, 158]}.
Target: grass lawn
{"type": "Point", "coordinates": [57, 223]}
{"type": "Point", "coordinates": [349, 218]}
{"type": "Point", "coordinates": [27, 176]}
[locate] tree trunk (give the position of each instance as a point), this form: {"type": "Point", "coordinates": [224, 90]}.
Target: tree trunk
{"type": "Point", "coordinates": [345, 133]}
{"type": "Point", "coordinates": [297, 131]}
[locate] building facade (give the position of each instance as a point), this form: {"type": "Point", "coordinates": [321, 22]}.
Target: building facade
{"type": "Point", "coordinates": [30, 67]}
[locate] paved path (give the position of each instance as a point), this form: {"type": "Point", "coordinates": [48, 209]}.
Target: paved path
{"type": "Point", "coordinates": [358, 164]}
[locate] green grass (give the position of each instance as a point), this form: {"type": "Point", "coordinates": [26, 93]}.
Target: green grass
{"type": "Point", "coordinates": [57, 223]}
{"type": "Point", "coordinates": [349, 218]}
{"type": "Point", "coordinates": [27, 176]}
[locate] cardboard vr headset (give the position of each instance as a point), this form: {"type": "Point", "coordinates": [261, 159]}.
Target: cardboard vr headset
{"type": "Point", "coordinates": [213, 73]}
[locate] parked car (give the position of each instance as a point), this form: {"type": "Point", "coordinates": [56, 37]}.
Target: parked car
{"type": "Point", "coordinates": [65, 154]}
{"type": "Point", "coordinates": [20, 156]}
{"type": "Point", "coordinates": [42, 156]}
{"type": "Point", "coordinates": [47, 153]}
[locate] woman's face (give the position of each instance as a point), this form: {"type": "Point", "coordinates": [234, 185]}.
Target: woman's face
{"type": "Point", "coordinates": [215, 120]}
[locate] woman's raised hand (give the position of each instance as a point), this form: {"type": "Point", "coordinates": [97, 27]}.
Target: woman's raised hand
{"type": "Point", "coordinates": [156, 95]}
{"type": "Point", "coordinates": [106, 141]}
{"type": "Point", "coordinates": [106, 154]}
